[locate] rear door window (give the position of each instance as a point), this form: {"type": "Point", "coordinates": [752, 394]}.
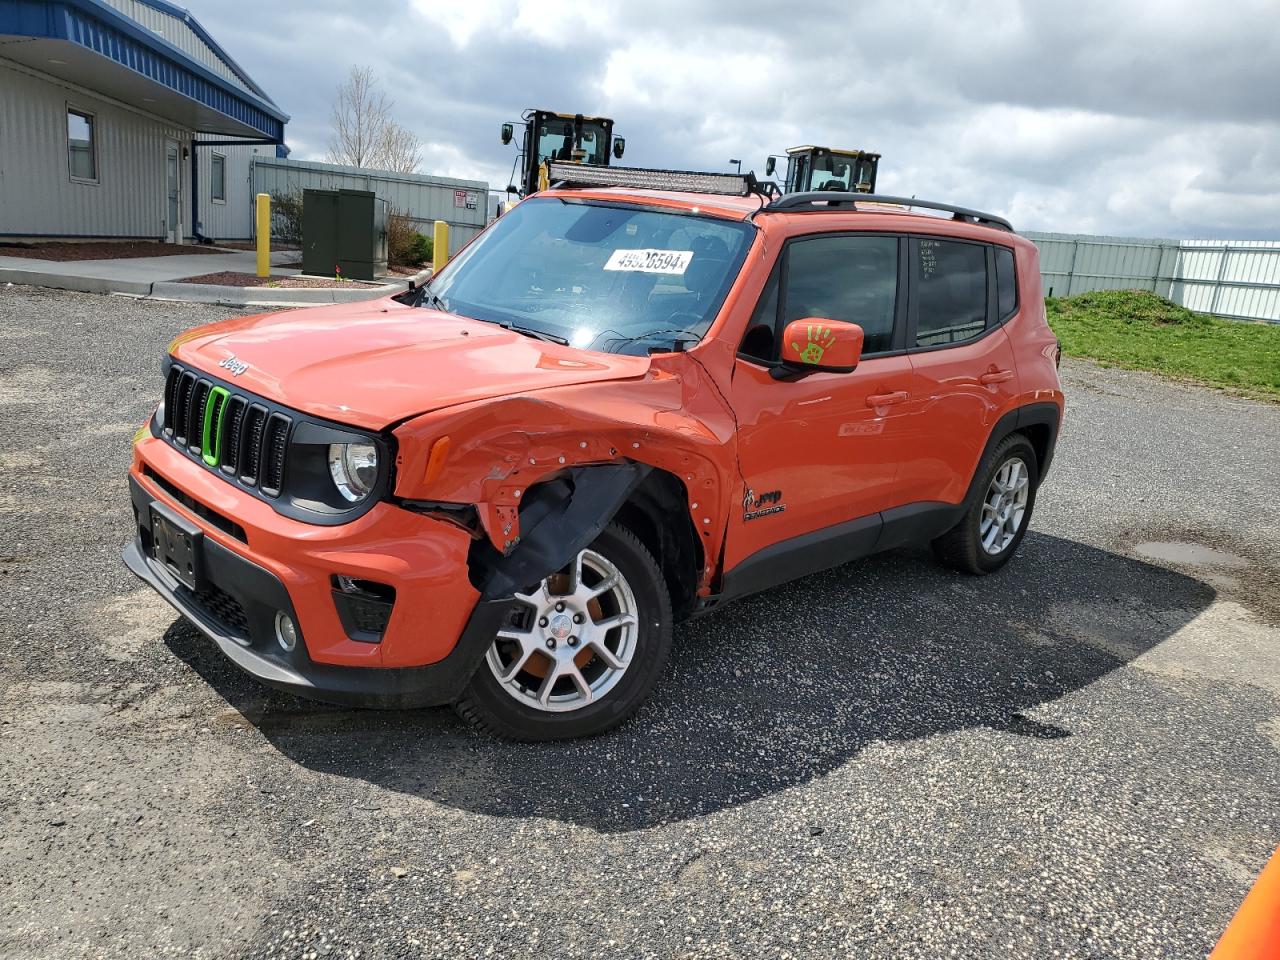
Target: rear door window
{"type": "Point", "coordinates": [948, 291]}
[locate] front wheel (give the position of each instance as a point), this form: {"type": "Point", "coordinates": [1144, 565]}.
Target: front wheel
{"type": "Point", "coordinates": [999, 510]}
{"type": "Point", "coordinates": [582, 649]}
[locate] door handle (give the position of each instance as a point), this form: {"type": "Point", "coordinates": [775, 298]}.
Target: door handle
{"type": "Point", "coordinates": [996, 376]}
{"type": "Point", "coordinates": [884, 399]}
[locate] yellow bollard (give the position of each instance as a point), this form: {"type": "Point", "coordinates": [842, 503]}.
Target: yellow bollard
{"type": "Point", "coordinates": [263, 203]}
{"type": "Point", "coordinates": [439, 246]}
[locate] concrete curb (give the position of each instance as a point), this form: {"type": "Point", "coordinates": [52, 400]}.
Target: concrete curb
{"type": "Point", "coordinates": [270, 296]}
{"type": "Point", "coordinates": [210, 293]}
{"type": "Point", "coordinates": [57, 281]}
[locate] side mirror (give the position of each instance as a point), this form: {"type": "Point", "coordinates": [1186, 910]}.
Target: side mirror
{"type": "Point", "coordinates": [770, 165]}
{"type": "Point", "coordinates": [508, 132]}
{"type": "Point", "coordinates": [619, 145]}
{"type": "Point", "coordinates": [815, 345]}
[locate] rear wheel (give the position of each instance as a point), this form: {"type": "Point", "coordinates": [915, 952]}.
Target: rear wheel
{"type": "Point", "coordinates": [998, 512]}
{"type": "Point", "coordinates": [583, 648]}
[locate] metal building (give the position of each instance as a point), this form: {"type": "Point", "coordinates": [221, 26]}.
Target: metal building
{"type": "Point", "coordinates": [424, 199]}
{"type": "Point", "coordinates": [1229, 278]}
{"type": "Point", "coordinates": [107, 113]}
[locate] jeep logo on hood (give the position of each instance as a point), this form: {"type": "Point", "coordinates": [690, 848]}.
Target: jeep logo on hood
{"type": "Point", "coordinates": [236, 367]}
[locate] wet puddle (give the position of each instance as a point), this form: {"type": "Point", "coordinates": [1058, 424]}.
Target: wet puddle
{"type": "Point", "coordinates": [1188, 554]}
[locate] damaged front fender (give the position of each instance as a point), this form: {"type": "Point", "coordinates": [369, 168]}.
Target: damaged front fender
{"type": "Point", "coordinates": [482, 462]}
{"type": "Point", "coordinates": [558, 519]}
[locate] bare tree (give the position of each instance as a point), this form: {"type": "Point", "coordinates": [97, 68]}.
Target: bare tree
{"type": "Point", "coordinates": [400, 149]}
{"type": "Point", "coordinates": [364, 135]}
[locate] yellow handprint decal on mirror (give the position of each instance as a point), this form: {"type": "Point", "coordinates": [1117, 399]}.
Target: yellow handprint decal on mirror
{"type": "Point", "coordinates": [820, 340]}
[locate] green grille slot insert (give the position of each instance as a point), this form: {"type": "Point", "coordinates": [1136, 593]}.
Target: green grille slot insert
{"type": "Point", "coordinates": [211, 443]}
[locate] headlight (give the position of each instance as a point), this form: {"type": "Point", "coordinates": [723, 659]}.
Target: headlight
{"type": "Point", "coordinates": [354, 468]}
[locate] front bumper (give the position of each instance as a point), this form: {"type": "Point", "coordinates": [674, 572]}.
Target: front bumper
{"type": "Point", "coordinates": [255, 563]}
{"type": "Point", "coordinates": [254, 648]}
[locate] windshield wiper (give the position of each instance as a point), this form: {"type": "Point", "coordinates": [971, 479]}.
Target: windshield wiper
{"type": "Point", "coordinates": [432, 300]}
{"type": "Point", "coordinates": [531, 332]}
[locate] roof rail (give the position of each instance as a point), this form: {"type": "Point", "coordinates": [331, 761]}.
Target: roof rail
{"type": "Point", "coordinates": [566, 174]}
{"type": "Point", "coordinates": [818, 201]}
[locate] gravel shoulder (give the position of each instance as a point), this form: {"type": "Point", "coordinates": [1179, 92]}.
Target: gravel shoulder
{"type": "Point", "coordinates": [1078, 756]}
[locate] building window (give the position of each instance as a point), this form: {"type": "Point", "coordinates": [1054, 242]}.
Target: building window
{"type": "Point", "coordinates": [81, 146]}
{"type": "Point", "coordinates": [218, 178]}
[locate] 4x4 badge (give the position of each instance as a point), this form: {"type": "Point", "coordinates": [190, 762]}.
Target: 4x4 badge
{"type": "Point", "coordinates": [236, 367]}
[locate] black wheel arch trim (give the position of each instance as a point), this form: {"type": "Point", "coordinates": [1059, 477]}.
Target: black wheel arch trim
{"type": "Point", "coordinates": [1043, 414]}
{"type": "Point", "coordinates": [558, 518]}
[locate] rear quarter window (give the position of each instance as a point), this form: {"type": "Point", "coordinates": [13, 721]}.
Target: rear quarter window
{"type": "Point", "coordinates": [1006, 283]}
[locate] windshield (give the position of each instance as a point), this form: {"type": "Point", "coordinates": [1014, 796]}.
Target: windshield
{"type": "Point", "coordinates": [835, 172]}
{"type": "Point", "coordinates": [555, 141]}
{"type": "Point", "coordinates": [610, 277]}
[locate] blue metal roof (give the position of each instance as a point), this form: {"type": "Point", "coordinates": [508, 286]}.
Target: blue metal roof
{"type": "Point", "coordinates": [96, 26]}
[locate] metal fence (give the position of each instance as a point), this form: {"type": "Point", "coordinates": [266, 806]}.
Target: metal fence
{"type": "Point", "coordinates": [463, 204]}
{"type": "Point", "coordinates": [1230, 278]}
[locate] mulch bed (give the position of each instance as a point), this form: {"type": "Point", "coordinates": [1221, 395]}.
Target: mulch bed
{"type": "Point", "coordinates": [230, 278]}
{"type": "Point", "coordinates": [102, 250]}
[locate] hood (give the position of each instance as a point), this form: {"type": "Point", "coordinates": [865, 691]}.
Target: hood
{"type": "Point", "coordinates": [373, 364]}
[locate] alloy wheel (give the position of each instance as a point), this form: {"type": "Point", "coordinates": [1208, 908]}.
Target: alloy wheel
{"type": "Point", "coordinates": [572, 640]}
{"type": "Point", "coordinates": [1005, 506]}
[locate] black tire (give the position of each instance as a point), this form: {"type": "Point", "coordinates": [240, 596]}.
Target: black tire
{"type": "Point", "coordinates": [961, 546]}
{"type": "Point", "coordinates": [490, 708]}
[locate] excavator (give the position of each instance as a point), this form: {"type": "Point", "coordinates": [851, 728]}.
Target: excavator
{"type": "Point", "coordinates": [822, 168]}
{"type": "Point", "coordinates": [569, 137]}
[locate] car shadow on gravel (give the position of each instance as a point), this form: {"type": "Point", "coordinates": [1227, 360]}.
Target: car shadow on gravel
{"type": "Point", "coordinates": [770, 692]}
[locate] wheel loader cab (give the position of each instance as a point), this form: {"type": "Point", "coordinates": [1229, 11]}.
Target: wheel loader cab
{"type": "Point", "coordinates": [822, 168]}
{"type": "Point", "coordinates": [561, 137]}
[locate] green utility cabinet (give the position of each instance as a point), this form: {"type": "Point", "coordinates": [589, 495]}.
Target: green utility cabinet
{"type": "Point", "coordinates": [344, 231]}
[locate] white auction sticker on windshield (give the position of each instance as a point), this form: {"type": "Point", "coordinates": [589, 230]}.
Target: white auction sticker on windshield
{"type": "Point", "coordinates": [650, 261]}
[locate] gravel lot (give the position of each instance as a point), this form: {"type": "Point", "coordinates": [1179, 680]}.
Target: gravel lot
{"type": "Point", "coordinates": [1077, 757]}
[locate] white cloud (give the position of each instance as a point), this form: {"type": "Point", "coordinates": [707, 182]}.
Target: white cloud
{"type": "Point", "coordinates": [1111, 116]}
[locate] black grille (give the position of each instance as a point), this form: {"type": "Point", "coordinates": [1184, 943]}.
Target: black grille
{"type": "Point", "coordinates": [232, 430]}
{"type": "Point", "coordinates": [369, 615]}
{"type": "Point", "coordinates": [251, 455]}
{"type": "Point", "coordinates": [223, 609]}
{"type": "Point", "coordinates": [176, 419]}
{"type": "Point", "coordinates": [196, 410]}
{"type": "Point", "coordinates": [364, 607]}
{"type": "Point", "coordinates": [273, 452]}
{"type": "Point", "coordinates": [246, 440]}
{"type": "Point", "coordinates": [222, 522]}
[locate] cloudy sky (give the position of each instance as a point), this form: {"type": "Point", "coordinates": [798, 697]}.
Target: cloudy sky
{"type": "Point", "coordinates": [1126, 117]}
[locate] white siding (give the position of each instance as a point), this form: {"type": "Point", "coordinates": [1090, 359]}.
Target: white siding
{"type": "Point", "coordinates": [232, 220]}
{"type": "Point", "coordinates": [37, 196]}
{"type": "Point", "coordinates": [1232, 278]}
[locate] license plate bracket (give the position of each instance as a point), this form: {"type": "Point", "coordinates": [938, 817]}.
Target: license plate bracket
{"type": "Point", "coordinates": [177, 545]}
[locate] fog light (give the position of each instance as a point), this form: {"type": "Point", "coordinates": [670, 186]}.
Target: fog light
{"type": "Point", "coordinates": [286, 632]}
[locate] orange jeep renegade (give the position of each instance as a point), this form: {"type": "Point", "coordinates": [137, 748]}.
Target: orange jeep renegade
{"type": "Point", "coordinates": [617, 408]}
